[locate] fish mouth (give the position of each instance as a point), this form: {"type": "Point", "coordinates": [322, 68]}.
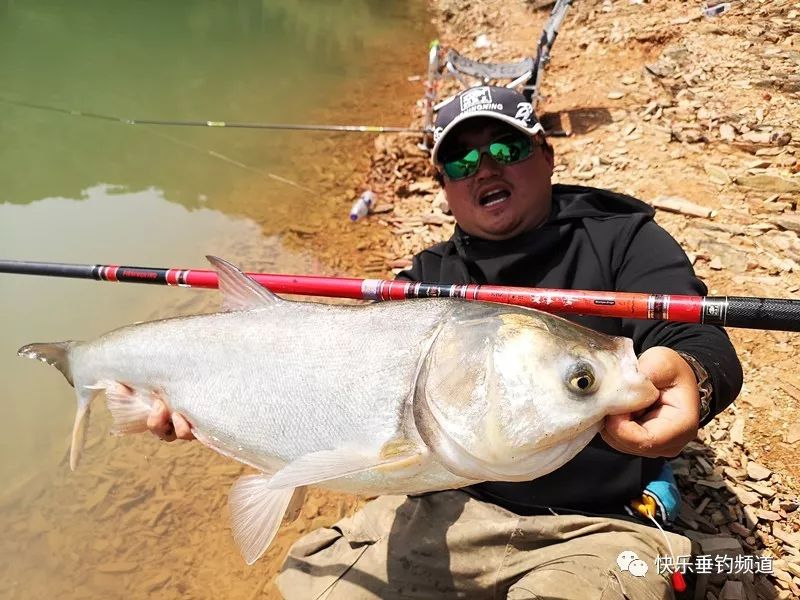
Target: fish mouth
{"type": "Point", "coordinates": [637, 391]}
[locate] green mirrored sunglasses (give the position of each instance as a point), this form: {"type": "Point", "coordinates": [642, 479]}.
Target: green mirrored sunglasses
{"type": "Point", "coordinates": [505, 151]}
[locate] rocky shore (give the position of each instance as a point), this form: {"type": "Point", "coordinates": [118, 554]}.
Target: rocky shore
{"type": "Point", "coordinates": [700, 117]}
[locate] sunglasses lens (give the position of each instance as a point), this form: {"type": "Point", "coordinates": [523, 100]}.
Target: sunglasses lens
{"type": "Point", "coordinates": [464, 166]}
{"type": "Point", "coordinates": [506, 152]}
{"type": "Point", "coordinates": [510, 151]}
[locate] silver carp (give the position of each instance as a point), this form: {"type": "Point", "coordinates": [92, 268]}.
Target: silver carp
{"type": "Point", "coordinates": [396, 397]}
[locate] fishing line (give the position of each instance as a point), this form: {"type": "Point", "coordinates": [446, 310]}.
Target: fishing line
{"type": "Point", "coordinates": [175, 140]}
{"type": "Point", "coordinates": [232, 161]}
{"type": "Point", "coordinates": [221, 124]}
{"type": "Point", "coordinates": [676, 578]}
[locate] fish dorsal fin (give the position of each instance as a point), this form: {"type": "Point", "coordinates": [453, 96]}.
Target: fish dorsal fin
{"type": "Point", "coordinates": [240, 292]}
{"type": "Point", "coordinates": [256, 514]}
{"type": "Point", "coordinates": [325, 465]}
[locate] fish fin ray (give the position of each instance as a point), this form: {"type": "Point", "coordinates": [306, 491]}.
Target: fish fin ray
{"type": "Point", "coordinates": [325, 465]}
{"type": "Point", "coordinates": [295, 505]}
{"type": "Point", "coordinates": [240, 292]}
{"type": "Point", "coordinates": [129, 407]}
{"type": "Point", "coordinates": [256, 514]}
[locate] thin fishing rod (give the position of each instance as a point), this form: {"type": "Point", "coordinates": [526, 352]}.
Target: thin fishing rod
{"type": "Point", "coordinates": [731, 311]}
{"type": "Point", "coordinates": [222, 124]}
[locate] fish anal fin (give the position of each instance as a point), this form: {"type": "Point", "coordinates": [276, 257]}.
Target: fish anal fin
{"type": "Point", "coordinates": [325, 465]}
{"type": "Point", "coordinates": [240, 292]}
{"type": "Point", "coordinates": [256, 514]}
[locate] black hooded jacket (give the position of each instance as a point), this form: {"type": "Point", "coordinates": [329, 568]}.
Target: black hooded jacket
{"type": "Point", "coordinates": [593, 240]}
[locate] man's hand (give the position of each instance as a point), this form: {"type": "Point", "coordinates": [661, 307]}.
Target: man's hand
{"type": "Point", "coordinates": [168, 428]}
{"type": "Point", "coordinates": [671, 422]}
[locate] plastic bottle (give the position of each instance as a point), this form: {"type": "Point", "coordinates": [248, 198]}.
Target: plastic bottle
{"type": "Point", "coordinates": [716, 9]}
{"type": "Point", "coordinates": [362, 206]}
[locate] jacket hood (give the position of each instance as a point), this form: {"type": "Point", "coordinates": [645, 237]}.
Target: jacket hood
{"type": "Point", "coordinates": [578, 202]}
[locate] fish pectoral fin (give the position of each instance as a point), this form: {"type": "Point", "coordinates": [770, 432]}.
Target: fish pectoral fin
{"type": "Point", "coordinates": [240, 292]}
{"type": "Point", "coordinates": [129, 406]}
{"type": "Point", "coordinates": [256, 514]}
{"type": "Point", "coordinates": [325, 465]}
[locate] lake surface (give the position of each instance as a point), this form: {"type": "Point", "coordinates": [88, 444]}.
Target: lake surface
{"type": "Point", "coordinates": [85, 190]}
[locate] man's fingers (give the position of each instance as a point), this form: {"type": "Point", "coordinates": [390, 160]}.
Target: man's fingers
{"type": "Point", "coordinates": [158, 421]}
{"type": "Point", "coordinates": [183, 430]}
{"type": "Point", "coordinates": [655, 438]}
{"type": "Point", "coordinates": [626, 435]}
{"type": "Point", "coordinates": [168, 429]}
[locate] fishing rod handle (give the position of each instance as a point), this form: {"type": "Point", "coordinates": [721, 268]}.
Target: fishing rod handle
{"type": "Point", "coordinates": [754, 313]}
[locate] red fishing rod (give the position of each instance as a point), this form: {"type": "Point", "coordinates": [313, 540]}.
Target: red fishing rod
{"type": "Point", "coordinates": [730, 311]}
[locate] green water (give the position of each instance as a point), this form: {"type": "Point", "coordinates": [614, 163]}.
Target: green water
{"type": "Point", "coordinates": [273, 61]}
{"type": "Point", "coordinates": [82, 190]}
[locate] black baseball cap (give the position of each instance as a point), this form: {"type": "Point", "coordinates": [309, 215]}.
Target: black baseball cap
{"type": "Point", "coordinates": [501, 103]}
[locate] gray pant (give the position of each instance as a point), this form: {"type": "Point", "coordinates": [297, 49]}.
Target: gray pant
{"type": "Point", "coordinates": [449, 545]}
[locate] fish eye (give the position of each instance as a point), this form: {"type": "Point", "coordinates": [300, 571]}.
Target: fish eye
{"type": "Point", "coordinates": [582, 379]}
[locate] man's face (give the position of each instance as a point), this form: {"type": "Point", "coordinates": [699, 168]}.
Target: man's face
{"type": "Point", "coordinates": [499, 201]}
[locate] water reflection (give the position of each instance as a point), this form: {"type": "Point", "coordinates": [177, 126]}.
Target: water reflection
{"type": "Point", "coordinates": [105, 225]}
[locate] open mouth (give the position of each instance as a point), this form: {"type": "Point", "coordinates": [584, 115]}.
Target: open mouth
{"type": "Point", "coordinates": [493, 197]}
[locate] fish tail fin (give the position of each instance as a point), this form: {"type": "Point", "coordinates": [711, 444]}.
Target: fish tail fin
{"type": "Point", "coordinates": [57, 355]}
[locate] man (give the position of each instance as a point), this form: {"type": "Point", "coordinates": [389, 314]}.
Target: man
{"type": "Point", "coordinates": [564, 535]}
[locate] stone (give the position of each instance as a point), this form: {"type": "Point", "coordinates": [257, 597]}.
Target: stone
{"type": "Point", "coordinates": [680, 205]}
{"type": "Point", "coordinates": [717, 174]}
{"type": "Point", "coordinates": [732, 590]}
{"type": "Point", "coordinates": [739, 529]}
{"type": "Point", "coordinates": [790, 222]}
{"type": "Point", "coordinates": [792, 539]}
{"type": "Point", "coordinates": [768, 183]}
{"type": "Point", "coordinates": [757, 472]}
{"type": "Point", "coordinates": [764, 490]}
{"type": "Point", "coordinates": [737, 431]}
{"type": "Point", "coordinates": [768, 515]}
{"type": "Point", "coordinates": [727, 132]}
{"type": "Point", "coordinates": [792, 436]}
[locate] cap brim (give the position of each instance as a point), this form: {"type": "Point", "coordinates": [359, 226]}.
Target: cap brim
{"type": "Point", "coordinates": [515, 123]}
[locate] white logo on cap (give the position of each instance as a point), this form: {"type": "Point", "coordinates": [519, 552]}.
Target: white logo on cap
{"type": "Point", "coordinates": [524, 111]}
{"type": "Point", "coordinates": [475, 97]}
{"type": "Point", "coordinates": [437, 133]}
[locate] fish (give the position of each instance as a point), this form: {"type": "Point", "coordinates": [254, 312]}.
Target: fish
{"type": "Point", "coordinates": [400, 397]}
